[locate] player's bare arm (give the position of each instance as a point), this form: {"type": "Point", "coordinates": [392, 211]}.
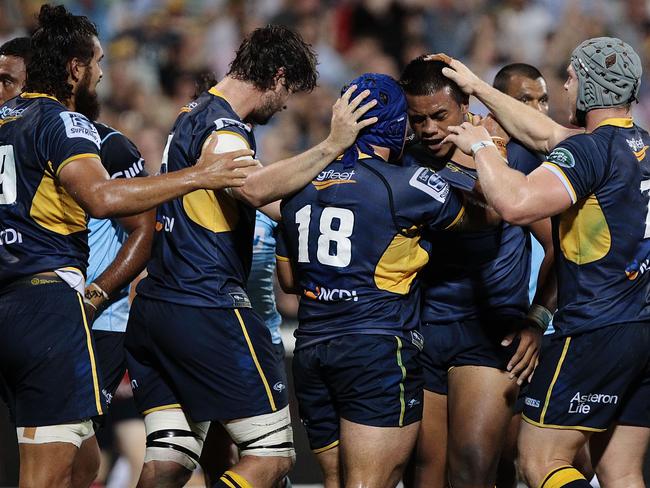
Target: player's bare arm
{"type": "Point", "coordinates": [89, 184]}
{"type": "Point", "coordinates": [129, 262]}
{"type": "Point", "coordinates": [534, 129]}
{"type": "Point", "coordinates": [272, 182]}
{"type": "Point", "coordinates": [520, 199]}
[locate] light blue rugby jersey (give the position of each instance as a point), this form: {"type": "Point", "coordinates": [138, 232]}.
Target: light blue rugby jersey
{"type": "Point", "coordinates": [260, 280]}
{"type": "Point", "coordinates": [121, 159]}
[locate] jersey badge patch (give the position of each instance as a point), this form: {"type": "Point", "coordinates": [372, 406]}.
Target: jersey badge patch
{"type": "Point", "coordinates": [76, 125]}
{"type": "Point", "coordinates": [430, 183]}
{"type": "Point", "coordinates": [562, 157]}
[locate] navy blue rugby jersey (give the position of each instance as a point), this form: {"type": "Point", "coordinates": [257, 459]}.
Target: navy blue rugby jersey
{"type": "Point", "coordinates": [42, 228]}
{"type": "Point", "coordinates": [354, 238]}
{"type": "Point", "coordinates": [202, 249]}
{"type": "Point", "coordinates": [479, 274]}
{"type": "Point", "coordinates": [607, 176]}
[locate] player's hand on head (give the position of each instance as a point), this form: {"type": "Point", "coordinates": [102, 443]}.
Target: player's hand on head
{"type": "Point", "coordinates": [223, 170]}
{"type": "Point", "coordinates": [466, 135]}
{"type": "Point", "coordinates": [524, 360]}
{"type": "Point", "coordinates": [346, 115]}
{"type": "Point", "coordinates": [457, 72]}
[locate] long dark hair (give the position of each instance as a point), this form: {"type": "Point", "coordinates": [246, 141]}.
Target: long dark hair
{"type": "Point", "coordinates": [59, 38]}
{"type": "Point", "coordinates": [266, 50]}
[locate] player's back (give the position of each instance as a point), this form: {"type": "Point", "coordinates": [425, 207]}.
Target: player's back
{"type": "Point", "coordinates": [203, 244]}
{"type": "Point", "coordinates": [42, 228]}
{"type": "Point", "coordinates": [354, 235]}
{"type": "Point", "coordinates": [607, 175]}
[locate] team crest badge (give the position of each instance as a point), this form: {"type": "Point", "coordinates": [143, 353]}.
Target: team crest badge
{"type": "Point", "coordinates": [562, 157]}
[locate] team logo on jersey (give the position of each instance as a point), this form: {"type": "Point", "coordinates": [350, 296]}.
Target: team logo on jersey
{"type": "Point", "coordinates": [331, 294]}
{"type": "Point", "coordinates": [638, 148]}
{"type": "Point", "coordinates": [430, 183]}
{"type": "Point", "coordinates": [562, 157]}
{"type": "Point", "coordinates": [330, 177]}
{"type": "Point", "coordinates": [240, 300]}
{"type": "Point", "coordinates": [76, 125]}
{"type": "Point", "coordinates": [279, 386]}
{"type": "Point", "coordinates": [580, 403]}
{"type": "Point", "coordinates": [417, 339]}
{"type": "Point", "coordinates": [225, 122]}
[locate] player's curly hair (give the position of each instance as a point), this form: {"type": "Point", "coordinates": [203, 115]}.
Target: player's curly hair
{"type": "Point", "coordinates": [59, 38]}
{"type": "Point", "coordinates": [266, 50]}
{"type": "Point", "coordinates": [424, 77]}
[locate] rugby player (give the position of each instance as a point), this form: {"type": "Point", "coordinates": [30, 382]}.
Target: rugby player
{"type": "Point", "coordinates": [14, 56]}
{"type": "Point", "coordinates": [594, 373]}
{"type": "Point", "coordinates": [475, 302]}
{"type": "Point", "coordinates": [196, 350]}
{"type": "Point", "coordinates": [526, 84]}
{"type": "Point", "coordinates": [354, 238]}
{"type": "Point", "coordinates": [50, 175]}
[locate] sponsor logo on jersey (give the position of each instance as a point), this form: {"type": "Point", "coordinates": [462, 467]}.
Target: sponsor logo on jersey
{"type": "Point", "coordinates": [430, 183]}
{"type": "Point", "coordinates": [165, 223]}
{"type": "Point", "coordinates": [279, 386]}
{"type": "Point", "coordinates": [132, 171]}
{"type": "Point", "coordinates": [531, 402]}
{"type": "Point", "coordinates": [580, 403]}
{"type": "Point", "coordinates": [8, 114]}
{"type": "Point", "coordinates": [413, 402]}
{"type": "Point", "coordinates": [10, 236]}
{"type": "Point", "coordinates": [331, 177]}
{"type": "Point", "coordinates": [331, 294]}
{"type": "Point", "coordinates": [225, 122]}
{"type": "Point", "coordinates": [76, 125]}
{"type": "Point", "coordinates": [562, 157]}
{"type": "Point", "coordinates": [635, 144]}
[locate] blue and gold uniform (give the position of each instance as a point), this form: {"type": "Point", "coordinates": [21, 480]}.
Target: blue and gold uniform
{"type": "Point", "coordinates": [603, 315]}
{"type": "Point", "coordinates": [475, 285]}
{"type": "Point", "coordinates": [192, 338]}
{"type": "Point", "coordinates": [46, 355]}
{"type": "Point", "coordinates": [354, 238]}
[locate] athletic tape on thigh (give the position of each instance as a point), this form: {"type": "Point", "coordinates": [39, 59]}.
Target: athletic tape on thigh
{"type": "Point", "coordinates": [171, 436]}
{"type": "Point", "coordinates": [264, 435]}
{"type": "Point", "coordinates": [74, 433]}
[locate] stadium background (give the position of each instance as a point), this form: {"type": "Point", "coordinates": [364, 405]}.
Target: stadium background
{"type": "Point", "coordinates": [155, 48]}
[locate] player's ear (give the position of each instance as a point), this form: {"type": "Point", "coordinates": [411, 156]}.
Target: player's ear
{"type": "Point", "coordinates": [279, 79]}
{"type": "Point", "coordinates": [75, 68]}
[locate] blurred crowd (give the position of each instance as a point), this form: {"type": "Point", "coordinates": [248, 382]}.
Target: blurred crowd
{"type": "Point", "coordinates": [156, 48]}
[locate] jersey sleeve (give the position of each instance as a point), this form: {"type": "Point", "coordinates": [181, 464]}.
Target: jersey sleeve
{"type": "Point", "coordinates": [232, 134]}
{"type": "Point", "coordinates": [578, 165]}
{"type": "Point", "coordinates": [121, 157]}
{"type": "Point", "coordinates": [68, 136]}
{"type": "Point", "coordinates": [521, 158]}
{"type": "Point", "coordinates": [428, 201]}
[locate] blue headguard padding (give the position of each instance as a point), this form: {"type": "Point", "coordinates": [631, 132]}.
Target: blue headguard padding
{"type": "Point", "coordinates": [390, 128]}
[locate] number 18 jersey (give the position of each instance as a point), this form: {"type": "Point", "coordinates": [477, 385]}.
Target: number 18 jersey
{"type": "Point", "coordinates": [354, 237]}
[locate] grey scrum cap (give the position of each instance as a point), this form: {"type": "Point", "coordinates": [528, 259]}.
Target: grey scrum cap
{"type": "Point", "coordinates": [609, 73]}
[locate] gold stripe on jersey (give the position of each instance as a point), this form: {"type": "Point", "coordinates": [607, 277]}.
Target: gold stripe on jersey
{"type": "Point", "coordinates": [584, 233]}
{"type": "Point", "coordinates": [458, 218]}
{"type": "Point", "coordinates": [74, 158]}
{"type": "Point", "coordinates": [214, 211]}
{"type": "Point", "coordinates": [161, 407]}
{"type": "Point", "coordinates": [91, 353]}
{"type": "Point", "coordinates": [255, 360]}
{"type": "Point", "coordinates": [54, 209]}
{"type": "Point", "coordinates": [400, 263]}
{"type": "Point", "coordinates": [400, 365]}
{"type": "Point", "coordinates": [327, 447]}
{"type": "Point", "coordinates": [640, 155]}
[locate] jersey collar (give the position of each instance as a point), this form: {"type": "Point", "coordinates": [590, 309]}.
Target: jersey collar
{"type": "Point", "coordinates": [38, 95]}
{"type": "Point", "coordinates": [624, 122]}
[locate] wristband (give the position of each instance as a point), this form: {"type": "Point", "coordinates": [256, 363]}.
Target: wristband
{"type": "Point", "coordinates": [477, 146]}
{"type": "Point", "coordinates": [540, 315]}
{"type": "Point", "coordinates": [95, 296]}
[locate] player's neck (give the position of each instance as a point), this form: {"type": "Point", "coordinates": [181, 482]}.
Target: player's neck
{"type": "Point", "coordinates": [596, 116]}
{"type": "Point", "coordinates": [382, 152]}
{"type": "Point", "coordinates": [242, 97]}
